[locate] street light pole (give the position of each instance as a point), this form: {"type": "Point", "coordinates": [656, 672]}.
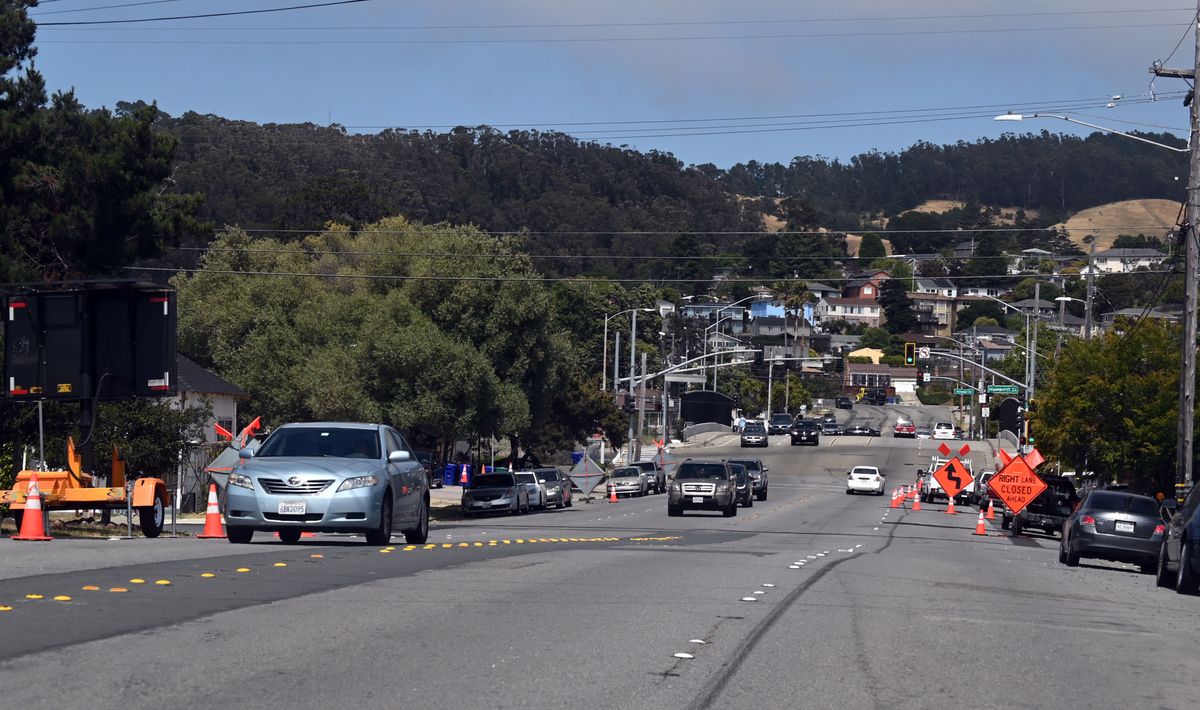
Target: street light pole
{"type": "Point", "coordinates": [632, 376]}
{"type": "Point", "coordinates": [1091, 290]}
{"type": "Point", "coordinates": [1187, 374]}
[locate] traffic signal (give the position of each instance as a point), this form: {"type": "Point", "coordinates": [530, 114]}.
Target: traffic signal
{"type": "Point", "coordinates": [910, 354]}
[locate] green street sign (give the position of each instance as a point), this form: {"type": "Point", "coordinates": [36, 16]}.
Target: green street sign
{"type": "Point", "coordinates": [963, 390]}
{"type": "Point", "coordinates": [1003, 389]}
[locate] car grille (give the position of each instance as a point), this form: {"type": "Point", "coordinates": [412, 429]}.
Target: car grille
{"type": "Point", "coordinates": [306, 518]}
{"type": "Point", "coordinates": [699, 489]}
{"type": "Point", "coordinates": [279, 487]}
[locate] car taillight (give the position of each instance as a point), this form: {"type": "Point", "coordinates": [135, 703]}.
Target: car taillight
{"type": "Point", "coordinates": [1160, 529]}
{"type": "Point", "coordinates": [1087, 520]}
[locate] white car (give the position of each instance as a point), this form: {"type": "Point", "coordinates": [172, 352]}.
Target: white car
{"type": "Point", "coordinates": [864, 479]}
{"type": "Point", "coordinates": [943, 430]}
{"type": "Point", "coordinates": [537, 493]}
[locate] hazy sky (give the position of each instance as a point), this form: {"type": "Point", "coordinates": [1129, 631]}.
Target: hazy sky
{"type": "Point", "coordinates": [846, 77]}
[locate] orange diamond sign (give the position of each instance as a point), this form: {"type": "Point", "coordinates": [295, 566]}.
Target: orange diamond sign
{"type": "Point", "coordinates": [953, 477]}
{"type": "Point", "coordinates": [1017, 485]}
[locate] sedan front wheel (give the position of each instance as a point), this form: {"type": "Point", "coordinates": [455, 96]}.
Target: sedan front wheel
{"type": "Point", "coordinates": [382, 534]}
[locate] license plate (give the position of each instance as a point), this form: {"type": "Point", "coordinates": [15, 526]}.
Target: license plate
{"type": "Point", "coordinates": [1124, 527]}
{"type": "Point", "coordinates": [499, 502]}
{"type": "Point", "coordinates": [697, 499]}
{"type": "Point", "coordinates": [292, 507]}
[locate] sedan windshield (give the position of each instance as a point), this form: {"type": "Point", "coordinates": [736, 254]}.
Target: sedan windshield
{"type": "Point", "coordinates": [1122, 503]}
{"type": "Point", "coordinates": [494, 480]}
{"type": "Point", "coordinates": [754, 429]}
{"type": "Point", "coordinates": [714, 471]}
{"type": "Point", "coordinates": [749, 464]}
{"type": "Point", "coordinates": [337, 442]}
{"type": "Point", "coordinates": [781, 419]}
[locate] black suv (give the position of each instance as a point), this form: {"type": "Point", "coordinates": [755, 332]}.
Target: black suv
{"type": "Point", "coordinates": [1049, 510]}
{"type": "Point", "coordinates": [805, 431]}
{"type": "Point", "coordinates": [780, 423]}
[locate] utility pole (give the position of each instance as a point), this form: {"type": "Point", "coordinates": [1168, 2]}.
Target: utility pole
{"type": "Point", "coordinates": [641, 407]}
{"type": "Point", "coordinates": [1091, 289]}
{"type": "Point", "coordinates": [617, 366]}
{"type": "Point", "coordinates": [1187, 372]}
{"type": "Point", "coordinates": [632, 376]}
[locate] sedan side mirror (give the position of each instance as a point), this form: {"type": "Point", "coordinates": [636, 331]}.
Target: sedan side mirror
{"type": "Point", "coordinates": [765, 469]}
{"type": "Point", "coordinates": [245, 454]}
{"type": "Point", "coordinates": [399, 457]}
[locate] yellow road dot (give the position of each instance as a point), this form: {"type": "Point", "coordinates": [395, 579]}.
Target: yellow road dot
{"type": "Point", "coordinates": [430, 547]}
{"type": "Point", "coordinates": [91, 588]}
{"type": "Point", "coordinates": [118, 589]}
{"type": "Point", "coordinates": [463, 544]}
{"type": "Point", "coordinates": [520, 541]}
{"type": "Point", "coordinates": [137, 580]}
{"type": "Point", "coordinates": [479, 544]}
{"type": "Point", "coordinates": [62, 598]}
{"type": "Point", "coordinates": [5, 608]}
{"type": "Point", "coordinates": [446, 544]}
{"type": "Point", "coordinates": [163, 582]}
{"type": "Point", "coordinates": [243, 569]}
{"type": "Point", "coordinates": [492, 543]}
{"type": "Point", "coordinates": [410, 548]}
{"type": "Point", "coordinates": [281, 564]}
{"type": "Point", "coordinates": [317, 556]}
{"type": "Point", "coordinates": [384, 551]}
{"type": "Point", "coordinates": [507, 542]}
{"type": "Point", "coordinates": [34, 596]}
{"type": "Point", "coordinates": [207, 575]}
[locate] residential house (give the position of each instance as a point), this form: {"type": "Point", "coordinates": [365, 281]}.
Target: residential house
{"type": "Point", "coordinates": [964, 250]}
{"type": "Point", "coordinates": [940, 286]}
{"type": "Point", "coordinates": [993, 291]}
{"type": "Point", "coordinates": [865, 285]}
{"type": "Point", "coordinates": [865, 311]}
{"type": "Point", "coordinates": [199, 387]}
{"type": "Point", "coordinates": [1031, 307]}
{"type": "Point", "coordinates": [768, 326]}
{"type": "Point", "coordinates": [1029, 261]}
{"type": "Point", "coordinates": [874, 354]}
{"type": "Point", "coordinates": [735, 316]}
{"type": "Point", "coordinates": [1132, 314]}
{"type": "Point", "coordinates": [1122, 261]}
{"type": "Point", "coordinates": [820, 290]}
{"type": "Point", "coordinates": [898, 380]}
{"type": "Point", "coordinates": [935, 312]}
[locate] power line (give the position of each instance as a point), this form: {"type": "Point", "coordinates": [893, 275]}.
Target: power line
{"type": "Point", "coordinates": [289, 8]}
{"type": "Point", "coordinates": [685, 232]}
{"type": "Point", "coordinates": [557, 40]}
{"type": "Point", "coordinates": [678, 23]}
{"type": "Point", "coordinates": [100, 7]}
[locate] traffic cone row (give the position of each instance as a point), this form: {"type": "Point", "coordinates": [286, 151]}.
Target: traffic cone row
{"type": "Point", "coordinates": [916, 503]}
{"type": "Point", "coordinates": [213, 528]}
{"type": "Point", "coordinates": [32, 525]}
{"type": "Point", "coordinates": [895, 499]}
{"type": "Point", "coordinates": [980, 527]}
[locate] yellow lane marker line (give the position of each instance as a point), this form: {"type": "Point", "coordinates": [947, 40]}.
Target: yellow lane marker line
{"type": "Point", "coordinates": [62, 598]}
{"type": "Point", "coordinates": [34, 596]}
{"type": "Point", "coordinates": [446, 545]}
{"type": "Point", "coordinates": [207, 575]}
{"type": "Point", "coordinates": [317, 556]}
{"type": "Point", "coordinates": [118, 590]}
{"type": "Point", "coordinates": [163, 582]}
{"type": "Point", "coordinates": [137, 580]}
{"type": "Point", "coordinates": [91, 588]}
{"type": "Point", "coordinates": [4, 607]}
{"type": "Point", "coordinates": [479, 544]}
{"type": "Point", "coordinates": [281, 564]}
{"type": "Point", "coordinates": [243, 569]}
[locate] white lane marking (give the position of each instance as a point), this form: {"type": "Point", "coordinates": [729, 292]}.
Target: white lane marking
{"type": "Point", "coordinates": [749, 599]}
{"type": "Point", "coordinates": [859, 545]}
{"type": "Point", "coordinates": [876, 528]}
{"type": "Point", "coordinates": [684, 655]}
{"type": "Point", "coordinates": [811, 557]}
{"type": "Point", "coordinates": [768, 585]}
{"type": "Point", "coordinates": [758, 592]}
{"type": "Point", "coordinates": [820, 554]}
{"type": "Point", "coordinates": [702, 642]}
{"type": "Point", "coordinates": [793, 566]}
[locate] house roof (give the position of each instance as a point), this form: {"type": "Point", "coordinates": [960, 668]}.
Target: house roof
{"type": "Point", "coordinates": [1035, 252]}
{"type": "Point", "coordinates": [935, 282]}
{"type": "Point", "coordinates": [1030, 303]}
{"type": "Point", "coordinates": [871, 367]}
{"type": "Point", "coordinates": [851, 301]}
{"type": "Point", "coordinates": [1130, 253]}
{"type": "Point", "coordinates": [985, 330]}
{"type": "Point", "coordinates": [815, 286]}
{"type": "Point", "coordinates": [193, 378]}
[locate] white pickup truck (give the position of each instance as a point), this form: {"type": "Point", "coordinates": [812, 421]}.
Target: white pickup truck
{"type": "Point", "coordinates": [932, 490]}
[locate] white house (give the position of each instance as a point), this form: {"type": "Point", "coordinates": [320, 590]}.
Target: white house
{"type": "Point", "coordinates": [852, 310]}
{"type": "Point", "coordinates": [198, 386]}
{"type": "Point", "coordinates": [1121, 261]}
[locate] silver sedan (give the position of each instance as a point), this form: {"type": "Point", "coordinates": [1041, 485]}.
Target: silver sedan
{"type": "Point", "coordinates": [329, 476]}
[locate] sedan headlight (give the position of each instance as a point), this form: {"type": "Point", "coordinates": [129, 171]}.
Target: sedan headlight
{"type": "Point", "coordinates": [552, 489]}
{"type": "Point", "coordinates": [358, 482]}
{"type": "Point", "coordinates": [241, 481]}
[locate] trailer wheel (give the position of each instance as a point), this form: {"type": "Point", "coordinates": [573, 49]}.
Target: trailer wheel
{"type": "Point", "coordinates": [151, 517]}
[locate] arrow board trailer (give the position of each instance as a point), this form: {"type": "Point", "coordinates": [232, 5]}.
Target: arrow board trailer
{"type": "Point", "coordinates": [931, 489]}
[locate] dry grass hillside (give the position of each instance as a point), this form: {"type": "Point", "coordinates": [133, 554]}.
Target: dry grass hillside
{"type": "Point", "coordinates": [854, 242]}
{"type": "Point", "coordinates": [1107, 222]}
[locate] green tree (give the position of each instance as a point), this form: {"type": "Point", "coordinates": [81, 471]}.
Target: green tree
{"type": "Point", "coordinates": [897, 307]}
{"type": "Point", "coordinates": [878, 338]}
{"type": "Point", "coordinates": [871, 247]}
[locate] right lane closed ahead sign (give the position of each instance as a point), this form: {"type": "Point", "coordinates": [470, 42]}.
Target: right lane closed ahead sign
{"type": "Point", "coordinates": [1017, 485]}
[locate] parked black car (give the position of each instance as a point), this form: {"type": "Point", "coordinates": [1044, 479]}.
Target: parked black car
{"type": "Point", "coordinates": [1179, 558]}
{"type": "Point", "coordinates": [1048, 511]}
{"type": "Point", "coordinates": [780, 423]}
{"type": "Point", "coordinates": [744, 492]}
{"type": "Point", "coordinates": [805, 431]}
{"type": "Point", "coordinates": [844, 403]}
{"type": "Point", "coordinates": [1114, 525]}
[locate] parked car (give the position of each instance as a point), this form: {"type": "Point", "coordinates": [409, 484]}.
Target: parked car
{"type": "Point", "coordinates": [655, 476]}
{"type": "Point", "coordinates": [329, 477]}
{"type": "Point", "coordinates": [805, 431]}
{"type": "Point", "coordinates": [537, 494]}
{"type": "Point", "coordinates": [628, 481]}
{"type": "Point", "coordinates": [754, 434]}
{"type": "Point", "coordinates": [758, 474]}
{"type": "Point", "coordinates": [780, 423]}
{"type": "Point", "coordinates": [495, 492]}
{"type": "Point", "coordinates": [744, 490]}
{"type": "Point", "coordinates": [1179, 558]}
{"type": "Point", "coordinates": [702, 485]}
{"type": "Point", "coordinates": [844, 403]}
{"type": "Point", "coordinates": [1114, 525]}
{"type": "Point", "coordinates": [864, 479]}
{"type": "Point", "coordinates": [558, 487]}
{"type": "Point", "coordinates": [861, 430]}
{"type": "Point", "coordinates": [432, 470]}
{"type": "Point", "coordinates": [930, 490]}
{"type": "Point", "coordinates": [943, 430]}
{"type": "Point", "coordinates": [1049, 510]}
{"type": "Point", "coordinates": [904, 429]}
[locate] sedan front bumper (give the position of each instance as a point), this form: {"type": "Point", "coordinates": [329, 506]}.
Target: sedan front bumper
{"type": "Point", "coordinates": [349, 511]}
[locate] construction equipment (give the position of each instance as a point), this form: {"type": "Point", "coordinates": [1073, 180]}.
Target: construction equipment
{"type": "Point", "coordinates": [74, 490]}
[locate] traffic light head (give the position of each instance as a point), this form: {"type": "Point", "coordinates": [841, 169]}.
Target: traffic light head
{"type": "Point", "coordinates": [910, 354]}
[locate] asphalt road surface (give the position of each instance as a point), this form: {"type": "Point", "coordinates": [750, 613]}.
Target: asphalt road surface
{"type": "Point", "coordinates": [855, 605]}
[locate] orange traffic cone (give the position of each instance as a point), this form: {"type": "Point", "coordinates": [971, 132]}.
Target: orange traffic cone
{"type": "Point", "coordinates": [612, 494]}
{"type": "Point", "coordinates": [917, 503]}
{"type": "Point", "coordinates": [991, 514]}
{"type": "Point", "coordinates": [895, 499]}
{"type": "Point", "coordinates": [32, 525]}
{"type": "Point", "coordinates": [950, 507]}
{"type": "Point", "coordinates": [213, 528]}
{"type": "Point", "coordinates": [980, 529]}
{"type": "Point", "coordinates": [463, 480]}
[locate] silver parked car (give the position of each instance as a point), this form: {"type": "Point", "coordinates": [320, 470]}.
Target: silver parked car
{"type": "Point", "coordinates": [329, 477]}
{"type": "Point", "coordinates": [558, 487]}
{"type": "Point", "coordinates": [491, 492]}
{"type": "Point", "coordinates": [537, 492]}
{"type": "Point", "coordinates": [628, 481]}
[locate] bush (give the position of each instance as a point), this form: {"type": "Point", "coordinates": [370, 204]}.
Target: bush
{"type": "Point", "coordinates": [928, 396]}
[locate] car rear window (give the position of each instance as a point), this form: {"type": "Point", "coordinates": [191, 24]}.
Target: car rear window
{"type": "Point", "coordinates": [494, 480]}
{"type": "Point", "coordinates": [527, 477]}
{"type": "Point", "coordinates": [1123, 503]}
{"type": "Point", "coordinates": [548, 476]}
{"type": "Point", "coordinates": [625, 472]}
{"type": "Point", "coordinates": [645, 465]}
{"type": "Point", "coordinates": [714, 471]}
